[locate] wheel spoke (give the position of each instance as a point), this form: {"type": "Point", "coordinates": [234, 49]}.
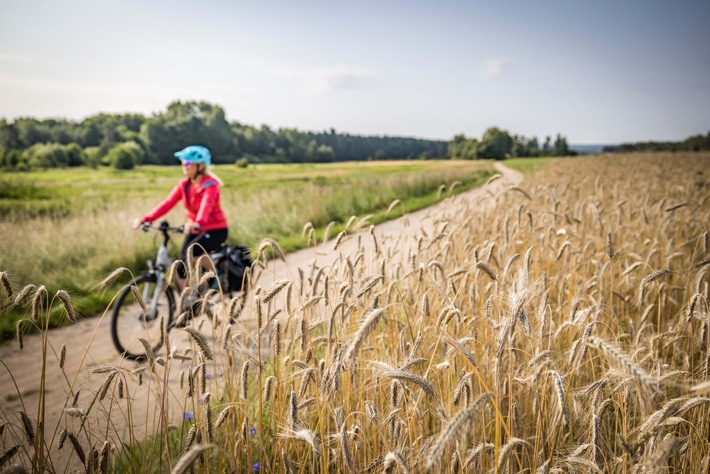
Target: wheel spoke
{"type": "Point", "coordinates": [132, 321]}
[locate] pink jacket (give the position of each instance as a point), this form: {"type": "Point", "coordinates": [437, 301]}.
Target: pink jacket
{"type": "Point", "coordinates": [201, 203]}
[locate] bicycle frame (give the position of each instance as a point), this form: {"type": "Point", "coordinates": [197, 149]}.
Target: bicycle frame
{"type": "Point", "coordinates": [163, 261]}
{"type": "Point", "coordinates": [151, 296]}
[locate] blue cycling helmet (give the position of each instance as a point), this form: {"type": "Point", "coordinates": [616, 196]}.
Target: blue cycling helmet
{"type": "Point", "coordinates": [194, 154]}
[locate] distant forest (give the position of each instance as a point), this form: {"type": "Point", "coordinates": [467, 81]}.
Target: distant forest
{"type": "Point", "coordinates": [126, 140]}
{"type": "Point", "coordinates": [692, 143]}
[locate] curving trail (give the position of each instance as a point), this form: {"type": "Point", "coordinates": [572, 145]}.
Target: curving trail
{"type": "Point", "coordinates": [88, 344]}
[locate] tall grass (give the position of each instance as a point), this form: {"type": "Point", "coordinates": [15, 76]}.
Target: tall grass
{"type": "Point", "coordinates": [560, 326]}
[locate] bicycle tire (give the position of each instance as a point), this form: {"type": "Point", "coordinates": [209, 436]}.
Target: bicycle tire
{"type": "Point", "coordinates": [130, 321]}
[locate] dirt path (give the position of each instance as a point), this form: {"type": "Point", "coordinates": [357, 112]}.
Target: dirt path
{"type": "Point", "coordinates": [88, 345]}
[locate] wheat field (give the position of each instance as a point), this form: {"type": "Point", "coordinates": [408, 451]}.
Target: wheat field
{"type": "Point", "coordinates": [560, 326]}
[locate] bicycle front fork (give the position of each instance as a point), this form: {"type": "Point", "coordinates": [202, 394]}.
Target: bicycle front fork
{"type": "Point", "coordinates": [151, 311]}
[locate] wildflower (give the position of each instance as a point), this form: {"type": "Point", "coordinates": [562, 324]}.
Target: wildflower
{"type": "Point", "coordinates": [256, 467]}
{"type": "Point", "coordinates": [189, 415]}
{"type": "Point", "coordinates": [252, 430]}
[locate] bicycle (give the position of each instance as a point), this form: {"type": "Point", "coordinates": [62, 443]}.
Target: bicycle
{"type": "Point", "coordinates": [145, 309]}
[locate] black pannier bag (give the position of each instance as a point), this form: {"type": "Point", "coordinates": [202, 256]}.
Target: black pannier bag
{"type": "Point", "coordinates": [238, 260]}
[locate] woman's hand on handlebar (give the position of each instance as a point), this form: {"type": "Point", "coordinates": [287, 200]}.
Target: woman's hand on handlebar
{"type": "Point", "coordinates": [137, 224]}
{"type": "Point", "coordinates": [191, 228]}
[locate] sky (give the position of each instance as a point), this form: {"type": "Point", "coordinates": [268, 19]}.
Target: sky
{"type": "Point", "coordinates": [595, 71]}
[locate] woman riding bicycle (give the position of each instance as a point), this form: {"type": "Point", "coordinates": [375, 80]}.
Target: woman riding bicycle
{"type": "Point", "coordinates": [206, 227]}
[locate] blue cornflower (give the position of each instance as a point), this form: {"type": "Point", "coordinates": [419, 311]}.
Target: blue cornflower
{"type": "Point", "coordinates": [252, 431]}
{"type": "Point", "coordinates": [256, 467]}
{"type": "Point", "coordinates": [189, 415]}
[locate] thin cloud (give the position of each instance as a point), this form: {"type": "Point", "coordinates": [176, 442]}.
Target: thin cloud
{"type": "Point", "coordinates": [495, 67]}
{"type": "Point", "coordinates": [15, 57]}
{"type": "Point", "coordinates": [341, 78]}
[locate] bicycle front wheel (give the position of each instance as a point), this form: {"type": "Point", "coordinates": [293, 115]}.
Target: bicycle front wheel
{"type": "Point", "coordinates": [143, 310]}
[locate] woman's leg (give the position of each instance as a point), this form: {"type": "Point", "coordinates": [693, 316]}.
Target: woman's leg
{"type": "Point", "coordinates": [196, 249]}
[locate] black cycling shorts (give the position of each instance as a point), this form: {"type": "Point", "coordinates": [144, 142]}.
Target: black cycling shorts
{"type": "Point", "coordinates": [204, 242]}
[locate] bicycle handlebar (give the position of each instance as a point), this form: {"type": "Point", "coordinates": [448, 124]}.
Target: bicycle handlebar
{"type": "Point", "coordinates": [164, 226]}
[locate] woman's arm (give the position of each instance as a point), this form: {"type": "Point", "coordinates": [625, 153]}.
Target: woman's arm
{"type": "Point", "coordinates": [167, 204]}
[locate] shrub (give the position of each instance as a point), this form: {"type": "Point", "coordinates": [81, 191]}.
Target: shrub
{"type": "Point", "coordinates": [125, 156]}
{"type": "Point", "coordinates": [75, 155]}
{"type": "Point", "coordinates": [46, 155]}
{"type": "Point", "coordinates": [93, 156]}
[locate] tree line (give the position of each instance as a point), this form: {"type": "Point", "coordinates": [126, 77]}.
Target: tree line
{"type": "Point", "coordinates": [126, 140]}
{"type": "Point", "coordinates": [693, 143]}
{"type": "Point", "coordinates": [499, 144]}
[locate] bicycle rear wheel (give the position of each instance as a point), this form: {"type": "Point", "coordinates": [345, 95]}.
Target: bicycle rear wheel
{"type": "Point", "coordinates": [227, 280]}
{"type": "Point", "coordinates": [134, 319]}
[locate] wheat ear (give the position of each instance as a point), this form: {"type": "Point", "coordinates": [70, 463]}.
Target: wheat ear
{"type": "Point", "coordinates": [29, 427]}
{"type": "Point", "coordinates": [201, 341]}
{"type": "Point", "coordinates": [66, 303]}
{"type": "Point", "coordinates": [367, 326]}
{"type": "Point", "coordinates": [626, 363]}
{"type": "Point", "coordinates": [487, 270]}
{"type": "Point", "coordinates": [6, 284]}
{"type": "Point", "coordinates": [403, 375]}
{"type": "Point", "coordinates": [186, 461]}
{"type": "Point", "coordinates": [456, 426]}
{"type": "Point", "coordinates": [507, 449]}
